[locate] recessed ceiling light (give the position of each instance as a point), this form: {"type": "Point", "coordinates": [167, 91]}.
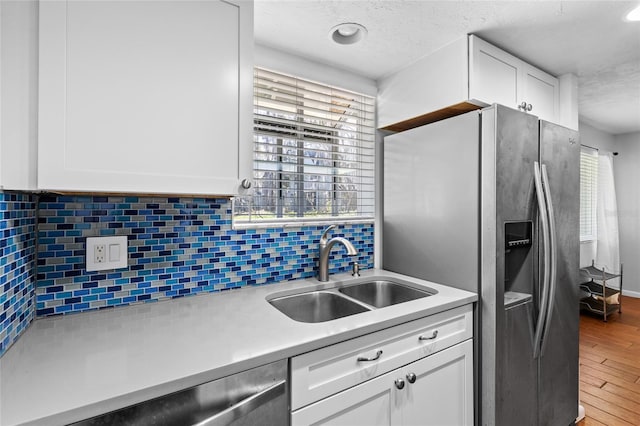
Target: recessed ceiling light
{"type": "Point", "coordinates": [634, 15]}
{"type": "Point", "coordinates": [348, 33]}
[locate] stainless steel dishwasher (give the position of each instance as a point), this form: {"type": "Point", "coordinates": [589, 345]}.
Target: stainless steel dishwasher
{"type": "Point", "coordinates": [254, 397]}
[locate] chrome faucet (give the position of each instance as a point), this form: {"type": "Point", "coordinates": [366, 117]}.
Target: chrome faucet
{"type": "Point", "coordinates": [325, 248]}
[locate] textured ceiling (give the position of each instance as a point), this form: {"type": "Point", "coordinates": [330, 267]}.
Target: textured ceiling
{"type": "Point", "coordinates": [587, 38]}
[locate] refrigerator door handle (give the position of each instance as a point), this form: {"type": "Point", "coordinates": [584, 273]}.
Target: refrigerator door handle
{"type": "Point", "coordinates": [554, 256]}
{"type": "Point", "coordinates": [542, 210]}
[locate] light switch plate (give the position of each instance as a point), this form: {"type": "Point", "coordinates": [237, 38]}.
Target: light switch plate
{"type": "Point", "coordinates": [106, 253]}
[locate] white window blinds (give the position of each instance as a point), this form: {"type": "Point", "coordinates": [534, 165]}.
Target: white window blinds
{"type": "Point", "coordinates": [588, 193]}
{"type": "Point", "coordinates": [313, 153]}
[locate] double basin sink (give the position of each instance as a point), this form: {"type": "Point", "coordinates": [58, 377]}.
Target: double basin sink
{"type": "Point", "coordinates": [347, 299]}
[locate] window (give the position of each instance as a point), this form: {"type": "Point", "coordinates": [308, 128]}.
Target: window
{"type": "Point", "coordinates": [588, 194]}
{"type": "Point", "coordinates": [313, 153]}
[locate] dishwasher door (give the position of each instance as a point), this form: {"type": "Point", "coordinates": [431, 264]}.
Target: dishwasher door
{"type": "Point", "coordinates": [254, 397]}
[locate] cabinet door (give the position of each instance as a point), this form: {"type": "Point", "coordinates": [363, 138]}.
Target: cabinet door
{"type": "Point", "coordinates": [493, 74]}
{"type": "Point", "coordinates": [144, 96]}
{"type": "Point", "coordinates": [442, 394]}
{"type": "Point", "coordinates": [541, 90]}
{"type": "Point", "coordinates": [496, 76]}
{"type": "Point", "coordinates": [19, 94]}
{"type": "Point", "coordinates": [373, 403]}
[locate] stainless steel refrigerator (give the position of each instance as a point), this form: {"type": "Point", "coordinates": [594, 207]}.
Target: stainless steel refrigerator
{"type": "Point", "coordinates": [488, 201]}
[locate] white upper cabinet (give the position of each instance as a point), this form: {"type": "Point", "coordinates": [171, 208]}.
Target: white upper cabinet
{"type": "Point", "coordinates": [493, 74]}
{"type": "Point", "coordinates": [464, 75]}
{"type": "Point", "coordinates": [145, 96]}
{"type": "Point", "coordinates": [18, 94]}
{"type": "Point", "coordinates": [540, 90]}
{"type": "Point", "coordinates": [435, 82]}
{"type": "Point", "coordinates": [498, 77]}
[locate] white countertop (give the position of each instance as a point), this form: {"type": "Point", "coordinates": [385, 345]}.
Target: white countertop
{"type": "Point", "coordinates": [68, 368]}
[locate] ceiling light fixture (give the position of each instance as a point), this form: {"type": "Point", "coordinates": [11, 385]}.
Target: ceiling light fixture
{"type": "Point", "coordinates": [348, 33]}
{"type": "Point", "coordinates": [634, 15]}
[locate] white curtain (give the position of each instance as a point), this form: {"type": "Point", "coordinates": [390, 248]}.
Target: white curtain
{"type": "Point", "coordinates": [607, 247]}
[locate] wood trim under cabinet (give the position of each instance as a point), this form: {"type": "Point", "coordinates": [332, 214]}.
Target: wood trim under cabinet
{"type": "Point", "coordinates": [431, 117]}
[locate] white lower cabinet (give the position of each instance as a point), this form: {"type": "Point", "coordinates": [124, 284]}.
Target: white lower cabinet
{"type": "Point", "coordinates": [416, 373]}
{"type": "Point", "coordinates": [372, 403]}
{"type": "Point", "coordinates": [441, 394]}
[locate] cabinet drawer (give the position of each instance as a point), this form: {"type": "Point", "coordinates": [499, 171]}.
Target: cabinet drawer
{"type": "Point", "coordinates": [318, 374]}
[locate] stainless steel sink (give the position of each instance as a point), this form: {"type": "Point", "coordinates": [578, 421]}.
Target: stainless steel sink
{"type": "Point", "coordinates": [381, 293]}
{"type": "Point", "coordinates": [316, 306]}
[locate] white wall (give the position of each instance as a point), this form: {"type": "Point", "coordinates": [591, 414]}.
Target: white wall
{"type": "Point", "coordinates": [626, 167]}
{"type": "Point", "coordinates": [594, 138]}
{"type": "Point", "coordinates": [627, 179]}
{"type": "Point", "coordinates": [568, 104]}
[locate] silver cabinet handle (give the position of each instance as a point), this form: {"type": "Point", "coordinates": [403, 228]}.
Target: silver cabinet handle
{"type": "Point", "coordinates": [529, 107]}
{"type": "Point", "coordinates": [399, 383]}
{"type": "Point", "coordinates": [433, 336]}
{"type": "Point", "coordinates": [246, 183]}
{"type": "Point", "coordinates": [411, 377]}
{"type": "Point", "coordinates": [375, 358]}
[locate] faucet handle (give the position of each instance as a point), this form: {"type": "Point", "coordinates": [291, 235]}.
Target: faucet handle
{"type": "Point", "coordinates": [323, 237]}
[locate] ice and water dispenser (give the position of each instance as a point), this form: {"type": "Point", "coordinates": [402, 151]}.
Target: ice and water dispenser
{"type": "Point", "coordinates": [518, 263]}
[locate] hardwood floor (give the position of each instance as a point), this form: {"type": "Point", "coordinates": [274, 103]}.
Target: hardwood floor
{"type": "Point", "coordinates": [610, 367]}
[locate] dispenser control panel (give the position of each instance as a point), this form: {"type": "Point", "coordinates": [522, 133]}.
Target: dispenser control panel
{"type": "Point", "coordinates": [517, 234]}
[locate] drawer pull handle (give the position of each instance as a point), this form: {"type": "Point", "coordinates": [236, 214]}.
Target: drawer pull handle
{"type": "Point", "coordinates": [399, 383]}
{"type": "Point", "coordinates": [433, 336]}
{"type": "Point", "coordinates": [375, 358]}
{"type": "Point", "coordinates": [411, 377]}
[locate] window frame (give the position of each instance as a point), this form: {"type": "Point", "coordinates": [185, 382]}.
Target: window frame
{"type": "Point", "coordinates": [302, 134]}
{"type": "Point", "coordinates": [588, 194]}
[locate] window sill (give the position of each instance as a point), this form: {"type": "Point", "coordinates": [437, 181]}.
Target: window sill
{"type": "Point", "coordinates": [302, 222]}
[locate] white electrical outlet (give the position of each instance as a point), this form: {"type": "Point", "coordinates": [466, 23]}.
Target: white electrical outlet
{"type": "Point", "coordinates": [98, 253]}
{"type": "Point", "coordinates": [106, 253]}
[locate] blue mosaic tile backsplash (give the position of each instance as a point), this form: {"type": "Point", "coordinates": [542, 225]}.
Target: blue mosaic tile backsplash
{"type": "Point", "coordinates": [17, 263]}
{"type": "Point", "coordinates": [177, 247]}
